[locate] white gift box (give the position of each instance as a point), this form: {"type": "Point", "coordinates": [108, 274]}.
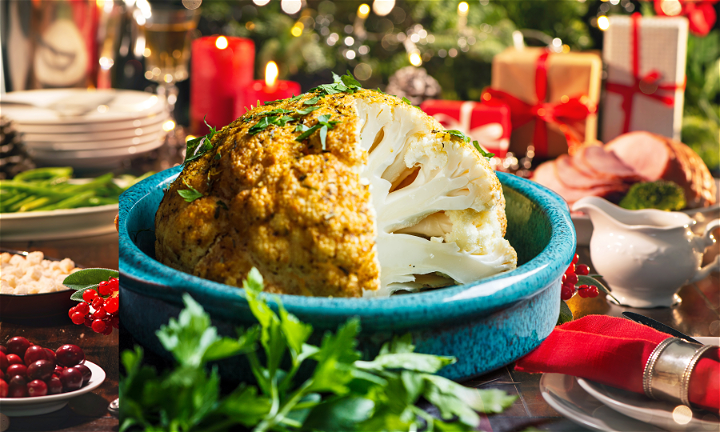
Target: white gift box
{"type": "Point", "coordinates": [649, 86]}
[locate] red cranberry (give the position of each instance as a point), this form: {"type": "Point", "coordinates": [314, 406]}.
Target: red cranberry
{"type": "Point", "coordinates": [69, 355]}
{"type": "Point", "coordinates": [18, 345]}
{"type": "Point", "coordinates": [37, 388]}
{"type": "Point", "coordinates": [33, 354]}
{"type": "Point", "coordinates": [89, 295]}
{"type": "Point", "coordinates": [104, 288]}
{"type": "Point", "coordinates": [83, 308]}
{"type": "Point", "coordinates": [3, 362]}
{"type": "Point", "coordinates": [3, 349]}
{"type": "Point", "coordinates": [17, 387]}
{"type": "Point", "coordinates": [51, 355]}
{"type": "Point", "coordinates": [71, 379]}
{"type": "Point", "coordinates": [58, 370]}
{"type": "Point", "coordinates": [3, 388]}
{"type": "Point", "coordinates": [40, 370]}
{"type": "Point", "coordinates": [54, 385]}
{"type": "Point", "coordinates": [13, 359]}
{"type": "Point", "coordinates": [16, 369]}
{"type": "Point", "coordinates": [86, 373]}
{"type": "Point", "coordinates": [582, 269]}
{"type": "Point", "coordinates": [98, 326]}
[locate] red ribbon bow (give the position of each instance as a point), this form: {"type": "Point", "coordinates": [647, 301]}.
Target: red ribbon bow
{"type": "Point", "coordinates": [566, 114]}
{"type": "Point", "coordinates": [646, 85]}
{"type": "Point", "coordinates": [700, 13]}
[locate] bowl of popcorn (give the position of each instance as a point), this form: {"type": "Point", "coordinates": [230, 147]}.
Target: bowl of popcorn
{"type": "Point", "coordinates": [31, 285]}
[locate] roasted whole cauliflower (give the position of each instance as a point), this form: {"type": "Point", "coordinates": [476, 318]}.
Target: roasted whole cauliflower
{"type": "Point", "coordinates": [338, 192]}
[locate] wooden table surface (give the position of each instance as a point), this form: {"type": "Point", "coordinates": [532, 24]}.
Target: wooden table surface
{"type": "Point", "coordinates": [87, 412]}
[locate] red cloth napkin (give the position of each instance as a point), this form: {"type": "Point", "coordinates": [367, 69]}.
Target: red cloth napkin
{"type": "Point", "coordinates": [614, 351]}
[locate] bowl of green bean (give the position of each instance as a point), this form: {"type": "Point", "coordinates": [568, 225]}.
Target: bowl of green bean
{"type": "Point", "coordinates": [49, 204]}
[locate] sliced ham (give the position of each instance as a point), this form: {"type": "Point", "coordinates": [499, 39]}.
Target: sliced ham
{"type": "Point", "coordinates": [576, 177]}
{"type": "Point", "coordinates": [604, 164]}
{"type": "Point", "coordinates": [659, 158]}
{"type": "Point", "coordinates": [547, 175]}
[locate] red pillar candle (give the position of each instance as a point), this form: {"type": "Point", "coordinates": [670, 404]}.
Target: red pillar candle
{"type": "Point", "coordinates": [221, 68]}
{"type": "Point", "coordinates": [266, 90]}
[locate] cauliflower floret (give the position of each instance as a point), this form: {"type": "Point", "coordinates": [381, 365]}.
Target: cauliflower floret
{"type": "Point", "coordinates": [425, 186]}
{"type": "Point", "coordinates": [389, 200]}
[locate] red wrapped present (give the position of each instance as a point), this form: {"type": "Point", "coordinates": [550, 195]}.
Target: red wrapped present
{"type": "Point", "coordinates": [552, 98]}
{"type": "Point", "coordinates": [488, 125]}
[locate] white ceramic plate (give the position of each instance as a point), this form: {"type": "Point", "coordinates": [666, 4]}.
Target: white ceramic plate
{"type": "Point", "coordinates": [658, 413]}
{"type": "Point", "coordinates": [58, 224]}
{"type": "Point", "coordinates": [72, 138]}
{"type": "Point", "coordinates": [94, 146]}
{"type": "Point", "coordinates": [564, 394]}
{"type": "Point", "coordinates": [28, 406]}
{"type": "Point", "coordinates": [94, 158]}
{"type": "Point", "coordinates": [99, 126]}
{"type": "Point", "coordinates": [584, 228]}
{"type": "Point", "coordinates": [56, 106]}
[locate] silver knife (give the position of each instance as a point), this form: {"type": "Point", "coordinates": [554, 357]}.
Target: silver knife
{"type": "Point", "coordinates": [642, 319]}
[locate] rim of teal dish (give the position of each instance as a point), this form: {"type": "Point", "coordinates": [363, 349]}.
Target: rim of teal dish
{"type": "Point", "coordinates": [489, 294]}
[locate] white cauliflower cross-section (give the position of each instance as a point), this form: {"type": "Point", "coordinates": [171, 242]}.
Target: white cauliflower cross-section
{"type": "Point", "coordinates": [439, 206]}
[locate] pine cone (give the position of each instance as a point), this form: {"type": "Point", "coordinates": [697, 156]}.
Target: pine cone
{"type": "Point", "coordinates": [414, 84]}
{"type": "Point", "coordinates": [13, 157]}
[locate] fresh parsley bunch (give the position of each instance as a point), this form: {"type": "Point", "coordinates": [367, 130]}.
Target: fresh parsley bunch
{"type": "Point", "coordinates": [343, 393]}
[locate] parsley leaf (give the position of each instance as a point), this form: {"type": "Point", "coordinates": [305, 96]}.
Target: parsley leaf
{"type": "Point", "coordinates": [406, 100]}
{"type": "Point", "coordinates": [307, 110]}
{"type": "Point", "coordinates": [346, 83]}
{"type": "Point", "coordinates": [190, 194]}
{"type": "Point", "coordinates": [259, 126]}
{"type": "Point", "coordinates": [312, 101]}
{"type": "Point", "coordinates": [458, 134]}
{"type": "Point", "coordinates": [323, 125]}
{"type": "Point", "coordinates": [197, 147]}
{"type": "Point", "coordinates": [482, 151]}
{"type": "Point", "coordinates": [337, 392]}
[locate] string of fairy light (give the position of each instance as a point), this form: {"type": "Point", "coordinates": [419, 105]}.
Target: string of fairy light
{"type": "Point", "coordinates": [352, 41]}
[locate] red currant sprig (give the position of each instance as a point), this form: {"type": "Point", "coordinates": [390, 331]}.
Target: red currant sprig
{"type": "Point", "coordinates": [99, 308]}
{"type": "Point", "coordinates": [570, 280]}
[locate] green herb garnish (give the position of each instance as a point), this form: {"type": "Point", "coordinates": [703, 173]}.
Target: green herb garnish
{"type": "Point", "coordinates": [335, 392]}
{"type": "Point", "coordinates": [458, 134]}
{"type": "Point", "coordinates": [323, 125]}
{"type": "Point", "coordinates": [190, 194]}
{"type": "Point", "coordinates": [343, 84]}
{"type": "Point", "coordinates": [406, 100]}
{"type": "Point", "coordinates": [307, 110]}
{"type": "Point", "coordinates": [312, 101]}
{"type": "Point", "coordinates": [197, 147]}
{"type": "Point", "coordinates": [482, 151]}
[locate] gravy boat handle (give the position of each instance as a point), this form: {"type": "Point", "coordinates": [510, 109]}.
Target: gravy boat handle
{"type": "Point", "coordinates": [708, 240]}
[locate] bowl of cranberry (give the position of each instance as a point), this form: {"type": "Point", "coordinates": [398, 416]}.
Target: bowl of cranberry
{"type": "Point", "coordinates": [37, 380]}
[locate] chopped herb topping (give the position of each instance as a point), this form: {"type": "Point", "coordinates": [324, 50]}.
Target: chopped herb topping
{"type": "Point", "coordinates": [323, 125]}
{"type": "Point", "coordinates": [259, 126]}
{"type": "Point", "coordinates": [190, 194]}
{"type": "Point", "coordinates": [222, 204]}
{"type": "Point", "coordinates": [346, 83]}
{"type": "Point", "coordinates": [197, 147]}
{"type": "Point", "coordinates": [458, 134]}
{"type": "Point", "coordinates": [218, 155]}
{"type": "Point", "coordinates": [406, 100]}
{"type": "Point", "coordinates": [482, 151]}
{"type": "Point", "coordinates": [312, 101]}
{"type": "Point", "coordinates": [305, 111]}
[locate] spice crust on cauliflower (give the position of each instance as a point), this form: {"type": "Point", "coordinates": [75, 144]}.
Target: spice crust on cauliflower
{"type": "Point", "coordinates": [343, 194]}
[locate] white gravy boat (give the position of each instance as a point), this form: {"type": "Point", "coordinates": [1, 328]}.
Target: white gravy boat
{"type": "Point", "coordinates": [646, 255]}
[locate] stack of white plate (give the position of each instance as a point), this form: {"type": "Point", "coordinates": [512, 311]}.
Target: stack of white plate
{"type": "Point", "coordinates": [86, 128]}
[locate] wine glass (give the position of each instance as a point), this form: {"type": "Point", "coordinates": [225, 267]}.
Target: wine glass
{"type": "Point", "coordinates": [167, 32]}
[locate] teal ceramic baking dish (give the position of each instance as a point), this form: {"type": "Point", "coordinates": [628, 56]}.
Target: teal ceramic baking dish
{"type": "Point", "coordinates": [486, 324]}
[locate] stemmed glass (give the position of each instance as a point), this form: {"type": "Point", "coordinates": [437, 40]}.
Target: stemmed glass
{"type": "Point", "coordinates": [168, 32]}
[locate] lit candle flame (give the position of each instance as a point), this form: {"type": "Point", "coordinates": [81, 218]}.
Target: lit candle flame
{"type": "Point", "coordinates": [271, 74]}
{"type": "Point", "coordinates": [221, 42]}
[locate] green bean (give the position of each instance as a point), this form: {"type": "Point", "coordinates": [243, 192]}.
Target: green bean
{"type": "Point", "coordinates": [32, 205]}
{"type": "Point", "coordinates": [44, 174]}
{"type": "Point", "coordinates": [6, 203]}
{"type": "Point", "coordinates": [31, 188]}
{"type": "Point", "coordinates": [68, 203]}
{"type": "Point", "coordinates": [15, 207]}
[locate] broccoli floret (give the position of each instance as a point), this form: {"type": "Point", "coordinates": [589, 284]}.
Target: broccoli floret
{"type": "Point", "coordinates": [662, 195]}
